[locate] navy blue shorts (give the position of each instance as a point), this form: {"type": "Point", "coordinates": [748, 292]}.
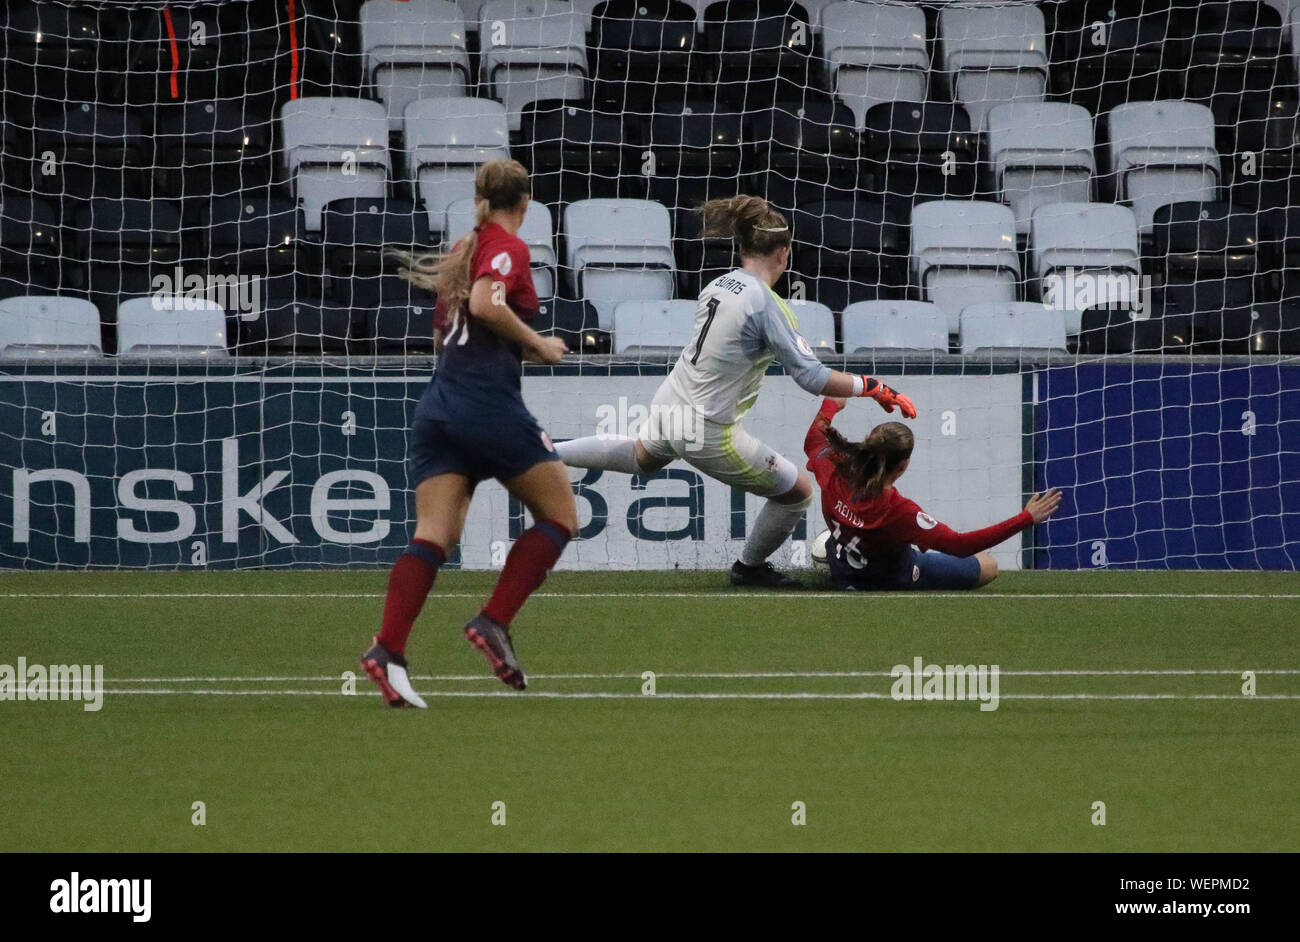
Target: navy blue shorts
{"type": "Point", "coordinates": [916, 570]}
{"type": "Point", "coordinates": [502, 447]}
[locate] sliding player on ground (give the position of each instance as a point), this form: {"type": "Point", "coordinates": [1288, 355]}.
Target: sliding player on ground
{"type": "Point", "coordinates": [741, 325]}
{"type": "Point", "coordinates": [881, 540]}
{"type": "Point", "coordinates": [471, 424]}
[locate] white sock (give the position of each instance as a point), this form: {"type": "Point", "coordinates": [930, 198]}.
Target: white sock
{"type": "Point", "coordinates": [607, 452]}
{"type": "Point", "coordinates": [773, 527]}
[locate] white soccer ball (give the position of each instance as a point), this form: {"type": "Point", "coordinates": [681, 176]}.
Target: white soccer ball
{"type": "Point", "coordinates": [818, 552]}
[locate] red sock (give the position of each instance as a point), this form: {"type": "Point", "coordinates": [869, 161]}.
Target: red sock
{"type": "Point", "coordinates": [530, 559]}
{"type": "Point", "coordinates": [408, 586]}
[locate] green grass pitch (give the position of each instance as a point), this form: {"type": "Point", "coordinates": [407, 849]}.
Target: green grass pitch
{"type": "Point", "coordinates": [239, 703]}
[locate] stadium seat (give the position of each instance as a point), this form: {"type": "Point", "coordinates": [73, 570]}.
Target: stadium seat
{"type": "Point", "coordinates": [816, 324]}
{"type": "Point", "coordinates": [894, 325]}
{"type": "Point", "coordinates": [619, 249]}
{"type": "Point", "coordinates": [760, 51]}
{"type": "Point", "coordinates": [576, 322]}
{"type": "Point", "coordinates": [334, 148]}
{"type": "Point", "coordinates": [1266, 141]}
{"type": "Point", "coordinates": [1110, 331]}
{"type": "Point", "coordinates": [447, 139]}
{"type": "Point", "coordinates": [1024, 327]}
{"type": "Point", "coordinates": [413, 49]}
{"type": "Point", "coordinates": [642, 53]}
{"type": "Point", "coordinates": [171, 326]}
{"type": "Point", "coordinates": [1068, 239]}
{"type": "Point", "coordinates": [800, 151]}
{"type": "Point", "coordinates": [355, 236]}
{"type": "Point", "coordinates": [964, 252]}
{"type": "Point", "coordinates": [1040, 152]}
{"type": "Point", "coordinates": [1106, 54]}
{"type": "Point", "coordinates": [875, 53]}
{"type": "Point", "coordinates": [993, 54]}
{"type": "Point", "coordinates": [32, 327]}
{"type": "Point", "coordinates": [402, 329]}
{"type": "Point", "coordinates": [91, 151]}
{"type": "Point", "coordinates": [574, 152]}
{"type": "Point", "coordinates": [211, 148]}
{"type": "Point", "coordinates": [849, 250]}
{"type": "Point", "coordinates": [296, 327]}
{"type": "Point", "coordinates": [916, 151]}
{"type": "Point", "coordinates": [1209, 248]}
{"type": "Point", "coordinates": [253, 236]}
{"type": "Point", "coordinates": [653, 327]}
{"type": "Point", "coordinates": [696, 154]}
{"type": "Point", "coordinates": [537, 232]}
{"type": "Point", "coordinates": [123, 245]}
{"type": "Point", "coordinates": [1162, 152]}
{"type": "Point", "coordinates": [56, 54]}
{"type": "Point", "coordinates": [1233, 54]}
{"type": "Point", "coordinates": [30, 246]}
{"type": "Point", "coordinates": [1279, 250]}
{"type": "Point", "coordinates": [531, 50]}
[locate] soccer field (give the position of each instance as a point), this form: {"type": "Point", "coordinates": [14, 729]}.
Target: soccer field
{"type": "Point", "coordinates": [228, 689]}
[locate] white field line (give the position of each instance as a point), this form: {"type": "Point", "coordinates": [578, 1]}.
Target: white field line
{"type": "Point", "coordinates": [592, 695]}
{"type": "Point", "coordinates": [721, 595]}
{"type": "Point", "coordinates": [707, 675]}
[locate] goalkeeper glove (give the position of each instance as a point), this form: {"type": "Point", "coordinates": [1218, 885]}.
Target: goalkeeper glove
{"type": "Point", "coordinates": [887, 398]}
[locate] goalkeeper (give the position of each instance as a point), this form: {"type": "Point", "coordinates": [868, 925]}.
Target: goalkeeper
{"type": "Point", "coordinates": [741, 326]}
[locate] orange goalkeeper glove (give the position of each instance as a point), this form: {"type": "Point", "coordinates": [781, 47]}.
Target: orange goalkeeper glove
{"type": "Point", "coordinates": [887, 398]}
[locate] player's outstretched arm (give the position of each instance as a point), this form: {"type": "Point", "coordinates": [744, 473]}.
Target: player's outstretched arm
{"type": "Point", "coordinates": [501, 320]}
{"type": "Point", "coordinates": [930, 534]}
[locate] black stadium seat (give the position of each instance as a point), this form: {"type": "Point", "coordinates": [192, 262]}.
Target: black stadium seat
{"type": "Point", "coordinates": [211, 148]}
{"type": "Point", "coordinates": [289, 326]}
{"type": "Point", "coordinates": [574, 152]}
{"type": "Point", "coordinates": [1206, 251]}
{"type": "Point", "coordinates": [1105, 53]}
{"type": "Point", "coordinates": [92, 151]}
{"type": "Point", "coordinates": [849, 250]}
{"type": "Point", "coordinates": [356, 236]}
{"type": "Point", "coordinates": [576, 322]}
{"type": "Point", "coordinates": [30, 250]}
{"type": "Point", "coordinates": [120, 245]}
{"type": "Point", "coordinates": [917, 151]}
{"type": "Point", "coordinates": [642, 53]}
{"type": "Point", "coordinates": [696, 154]}
{"type": "Point", "coordinates": [759, 51]}
{"type": "Point", "coordinates": [801, 151]}
{"type": "Point", "coordinates": [1115, 331]}
{"type": "Point", "coordinates": [184, 53]}
{"type": "Point", "coordinates": [252, 236]}
{"type": "Point", "coordinates": [56, 54]}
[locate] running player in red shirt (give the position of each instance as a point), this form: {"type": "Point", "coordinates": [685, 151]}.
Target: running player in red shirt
{"type": "Point", "coordinates": [881, 540]}
{"type": "Point", "coordinates": [471, 424]}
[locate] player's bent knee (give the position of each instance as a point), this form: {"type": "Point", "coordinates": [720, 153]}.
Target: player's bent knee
{"type": "Point", "coordinates": [648, 462]}
{"type": "Point", "coordinates": [801, 493]}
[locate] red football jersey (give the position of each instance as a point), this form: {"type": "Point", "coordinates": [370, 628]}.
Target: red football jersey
{"type": "Point", "coordinates": [881, 528]}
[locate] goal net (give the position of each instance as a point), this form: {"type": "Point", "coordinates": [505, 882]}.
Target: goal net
{"type": "Point", "coordinates": [1064, 229]}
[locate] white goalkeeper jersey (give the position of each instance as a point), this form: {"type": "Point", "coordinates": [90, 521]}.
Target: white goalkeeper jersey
{"type": "Point", "coordinates": [741, 326]}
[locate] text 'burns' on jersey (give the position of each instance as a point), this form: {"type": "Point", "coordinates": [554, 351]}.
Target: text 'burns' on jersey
{"type": "Point", "coordinates": [740, 327]}
{"type": "Point", "coordinates": [474, 358]}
